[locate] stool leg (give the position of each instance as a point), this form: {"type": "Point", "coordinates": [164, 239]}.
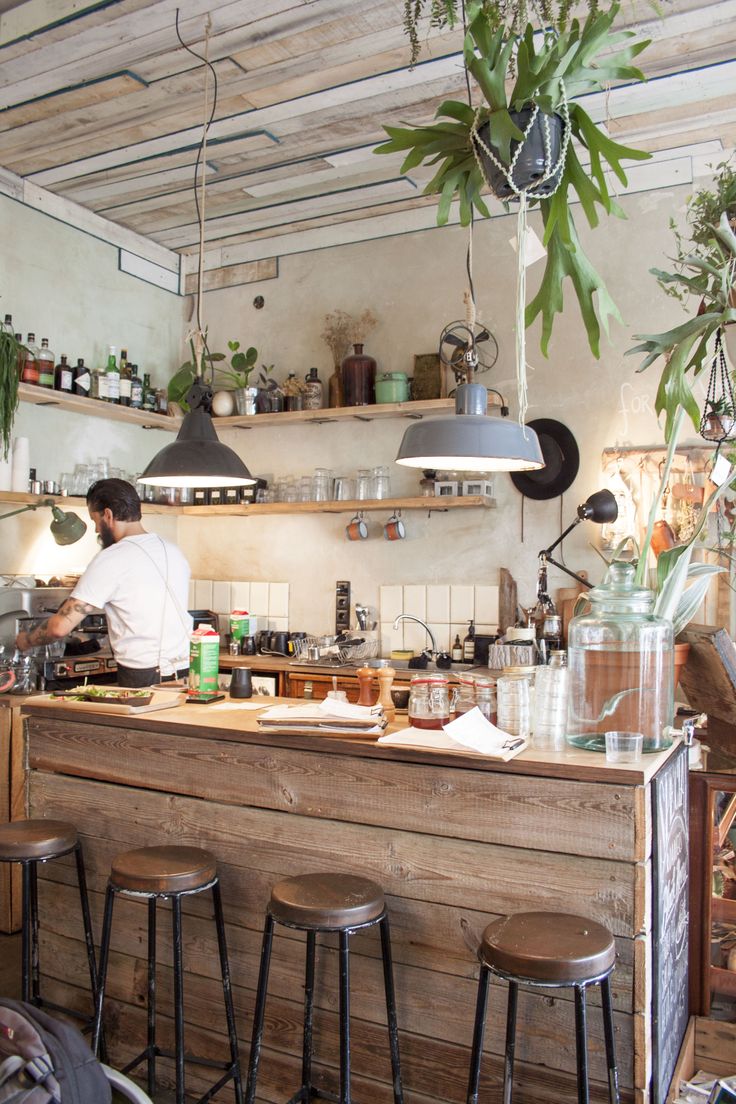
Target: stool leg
{"type": "Point", "coordinates": [481, 1006]}
{"type": "Point", "coordinates": [86, 919]}
{"type": "Point", "coordinates": [345, 1018]}
{"type": "Point", "coordinates": [227, 992]}
{"type": "Point", "coordinates": [581, 1044]}
{"type": "Point", "coordinates": [610, 1042]}
{"type": "Point", "coordinates": [308, 1019]}
{"type": "Point", "coordinates": [508, 1060]}
{"type": "Point", "coordinates": [102, 975]}
{"type": "Point", "coordinates": [27, 935]}
{"type": "Point", "coordinates": [259, 1011]}
{"type": "Point", "coordinates": [151, 1053]}
{"type": "Point", "coordinates": [178, 1000]}
{"type": "Point", "coordinates": [35, 985]}
{"type": "Point", "coordinates": [393, 1028]}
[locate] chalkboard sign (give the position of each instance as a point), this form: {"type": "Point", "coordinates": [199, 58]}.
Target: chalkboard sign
{"type": "Point", "coordinates": [669, 920]}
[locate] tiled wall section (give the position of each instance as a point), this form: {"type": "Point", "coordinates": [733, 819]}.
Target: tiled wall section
{"type": "Point", "coordinates": [446, 609]}
{"type": "Point", "coordinates": [267, 601]}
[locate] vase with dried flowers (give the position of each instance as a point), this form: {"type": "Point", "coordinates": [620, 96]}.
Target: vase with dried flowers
{"type": "Point", "coordinates": [358, 369]}
{"type": "Point", "coordinates": [336, 336]}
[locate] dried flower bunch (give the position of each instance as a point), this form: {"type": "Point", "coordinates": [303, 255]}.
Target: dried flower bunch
{"type": "Point", "coordinates": [361, 326]}
{"type": "Point", "coordinates": [336, 334]}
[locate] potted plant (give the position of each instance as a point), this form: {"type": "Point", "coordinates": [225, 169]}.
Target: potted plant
{"type": "Point", "coordinates": [201, 363]}
{"type": "Point", "coordinates": [294, 390]}
{"type": "Point", "coordinates": [241, 366]}
{"type": "Point", "coordinates": [9, 349]}
{"type": "Point", "coordinates": [270, 397]}
{"type": "Point", "coordinates": [703, 280]}
{"type": "Point", "coordinates": [719, 420]}
{"type": "Point", "coordinates": [529, 79]}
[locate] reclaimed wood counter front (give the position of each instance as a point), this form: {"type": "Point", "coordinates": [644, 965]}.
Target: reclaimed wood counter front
{"type": "Point", "coordinates": [455, 840]}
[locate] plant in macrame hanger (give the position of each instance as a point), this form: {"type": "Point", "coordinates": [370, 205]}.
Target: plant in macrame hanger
{"type": "Point", "coordinates": [718, 421]}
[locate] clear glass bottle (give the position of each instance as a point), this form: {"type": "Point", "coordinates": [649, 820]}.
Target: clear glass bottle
{"type": "Point", "coordinates": [45, 364]}
{"type": "Point", "coordinates": [621, 661]}
{"type": "Point", "coordinates": [429, 701]}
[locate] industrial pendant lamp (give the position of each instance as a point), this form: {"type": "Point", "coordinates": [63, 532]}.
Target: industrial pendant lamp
{"type": "Point", "coordinates": [66, 526]}
{"type": "Point", "coordinates": [197, 458]}
{"type": "Point", "coordinates": [470, 440]}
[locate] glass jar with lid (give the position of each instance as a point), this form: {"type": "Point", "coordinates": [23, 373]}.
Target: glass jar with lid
{"type": "Point", "coordinates": [485, 698]}
{"type": "Point", "coordinates": [620, 658]}
{"type": "Point", "coordinates": [463, 696]}
{"type": "Point", "coordinates": [429, 701]}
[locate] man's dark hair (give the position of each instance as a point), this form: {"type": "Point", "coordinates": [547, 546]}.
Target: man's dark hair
{"type": "Point", "coordinates": [115, 495]}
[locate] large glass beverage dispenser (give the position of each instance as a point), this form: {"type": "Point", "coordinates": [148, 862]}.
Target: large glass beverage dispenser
{"type": "Point", "coordinates": [620, 658]}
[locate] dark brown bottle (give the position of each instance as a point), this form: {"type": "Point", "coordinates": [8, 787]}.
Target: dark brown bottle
{"type": "Point", "coordinates": [82, 379]}
{"type": "Point", "coordinates": [358, 378]}
{"type": "Point", "coordinates": [63, 376]}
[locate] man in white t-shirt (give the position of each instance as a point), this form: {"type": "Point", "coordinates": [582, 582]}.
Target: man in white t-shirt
{"type": "Point", "coordinates": [140, 581]}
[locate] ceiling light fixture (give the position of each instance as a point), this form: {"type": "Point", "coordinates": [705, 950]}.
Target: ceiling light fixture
{"type": "Point", "coordinates": [66, 526]}
{"type": "Point", "coordinates": [197, 458]}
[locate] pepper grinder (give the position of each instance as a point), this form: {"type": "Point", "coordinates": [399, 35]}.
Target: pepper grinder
{"type": "Point", "coordinates": [365, 682]}
{"type": "Point", "coordinates": [386, 677]}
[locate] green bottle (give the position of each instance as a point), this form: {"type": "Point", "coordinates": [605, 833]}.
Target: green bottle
{"type": "Point", "coordinates": [112, 377]}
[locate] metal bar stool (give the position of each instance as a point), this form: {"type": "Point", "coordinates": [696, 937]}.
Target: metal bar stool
{"type": "Point", "coordinates": [30, 842]}
{"type": "Point", "coordinates": [169, 872]}
{"type": "Point", "coordinates": [548, 950]}
{"type": "Point", "coordinates": [342, 903]}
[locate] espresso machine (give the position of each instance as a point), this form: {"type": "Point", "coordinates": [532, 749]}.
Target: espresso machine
{"type": "Point", "coordinates": [64, 664]}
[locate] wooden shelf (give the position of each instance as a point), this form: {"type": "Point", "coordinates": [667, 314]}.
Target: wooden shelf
{"type": "Point", "coordinates": [77, 404]}
{"type": "Point", "coordinates": [411, 410]}
{"type": "Point", "coordinates": [74, 502]}
{"type": "Point", "coordinates": [723, 909]}
{"type": "Point", "coordinates": [353, 506]}
{"type": "Point", "coordinates": [723, 981]}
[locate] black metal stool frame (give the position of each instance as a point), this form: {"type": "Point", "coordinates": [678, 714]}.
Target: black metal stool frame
{"type": "Point", "coordinates": [30, 976]}
{"type": "Point", "coordinates": [306, 1092]}
{"type": "Point", "coordinates": [152, 1051]}
{"type": "Point", "coordinates": [581, 1048]}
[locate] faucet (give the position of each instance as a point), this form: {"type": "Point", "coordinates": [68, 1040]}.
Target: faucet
{"type": "Point", "coordinates": [430, 634]}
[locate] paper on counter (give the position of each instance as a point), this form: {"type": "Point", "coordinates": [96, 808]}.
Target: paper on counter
{"type": "Point", "coordinates": [328, 715]}
{"type": "Point", "coordinates": [469, 732]}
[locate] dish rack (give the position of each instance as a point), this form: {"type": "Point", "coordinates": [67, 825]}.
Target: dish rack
{"type": "Point", "coordinates": [324, 650]}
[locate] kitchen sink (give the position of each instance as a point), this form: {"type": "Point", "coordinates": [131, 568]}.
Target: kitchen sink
{"type": "Point", "coordinates": [404, 664]}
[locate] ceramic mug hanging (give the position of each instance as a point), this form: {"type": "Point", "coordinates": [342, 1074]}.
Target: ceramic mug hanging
{"type": "Point", "coordinates": [394, 529]}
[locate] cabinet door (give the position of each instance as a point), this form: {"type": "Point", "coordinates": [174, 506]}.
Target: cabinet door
{"type": "Point", "coordinates": [713, 958]}
{"type": "Point", "coordinates": [316, 687]}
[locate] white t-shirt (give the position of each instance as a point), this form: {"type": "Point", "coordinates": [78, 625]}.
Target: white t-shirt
{"type": "Point", "coordinates": [147, 619]}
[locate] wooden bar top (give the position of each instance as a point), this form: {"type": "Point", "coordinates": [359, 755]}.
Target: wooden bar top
{"type": "Point", "coordinates": [233, 721]}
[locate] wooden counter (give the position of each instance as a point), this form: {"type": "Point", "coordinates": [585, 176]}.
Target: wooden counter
{"type": "Point", "coordinates": [456, 840]}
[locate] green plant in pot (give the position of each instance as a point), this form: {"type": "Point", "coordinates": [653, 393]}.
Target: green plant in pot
{"type": "Point", "coordinates": [9, 349]}
{"type": "Point", "coordinates": [201, 363]}
{"type": "Point", "coordinates": [529, 81]}
{"type": "Point", "coordinates": [241, 366]}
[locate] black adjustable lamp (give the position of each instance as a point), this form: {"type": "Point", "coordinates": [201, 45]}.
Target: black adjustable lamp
{"type": "Point", "coordinates": [601, 508]}
{"type": "Point", "coordinates": [66, 526]}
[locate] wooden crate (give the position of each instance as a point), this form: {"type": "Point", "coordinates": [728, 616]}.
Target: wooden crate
{"type": "Point", "coordinates": [708, 1044]}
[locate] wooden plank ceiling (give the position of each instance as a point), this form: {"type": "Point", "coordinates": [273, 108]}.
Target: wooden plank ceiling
{"type": "Point", "coordinates": [101, 104]}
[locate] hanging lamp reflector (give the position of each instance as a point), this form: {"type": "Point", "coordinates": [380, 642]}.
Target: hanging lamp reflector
{"type": "Point", "coordinates": [197, 458]}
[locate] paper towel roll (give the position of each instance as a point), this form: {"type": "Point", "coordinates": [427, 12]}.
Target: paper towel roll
{"type": "Point", "coordinates": [21, 465]}
{"type": "Point", "coordinates": [5, 472]}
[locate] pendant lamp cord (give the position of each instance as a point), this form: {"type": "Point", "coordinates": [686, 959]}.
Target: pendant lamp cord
{"type": "Point", "coordinates": [198, 336]}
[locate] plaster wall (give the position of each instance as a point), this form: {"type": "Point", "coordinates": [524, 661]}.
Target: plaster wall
{"type": "Point", "coordinates": [414, 284]}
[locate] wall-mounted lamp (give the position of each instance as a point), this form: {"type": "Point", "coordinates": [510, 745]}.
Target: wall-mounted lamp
{"type": "Point", "coordinates": [470, 440]}
{"type": "Point", "coordinates": [601, 508]}
{"type": "Point", "coordinates": [66, 526]}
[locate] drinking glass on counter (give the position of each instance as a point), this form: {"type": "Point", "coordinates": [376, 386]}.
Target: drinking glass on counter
{"type": "Point", "coordinates": [514, 705]}
{"type": "Point", "coordinates": [550, 708]}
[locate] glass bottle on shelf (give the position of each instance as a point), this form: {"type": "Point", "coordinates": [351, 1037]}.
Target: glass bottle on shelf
{"type": "Point", "coordinates": [136, 388]}
{"type": "Point", "coordinates": [94, 383]}
{"type": "Point", "coordinates": [29, 371]}
{"type": "Point", "coordinates": [63, 376]}
{"type": "Point", "coordinates": [314, 394]}
{"type": "Point", "coordinates": [469, 644]}
{"type": "Point", "coordinates": [621, 666]}
{"type": "Point", "coordinates": [126, 379]}
{"type": "Point", "coordinates": [112, 377]}
{"type": "Point", "coordinates": [82, 378]}
{"type": "Point", "coordinates": [45, 364]}
{"type": "Point", "coordinates": [21, 354]}
{"type": "Point", "coordinates": [149, 394]}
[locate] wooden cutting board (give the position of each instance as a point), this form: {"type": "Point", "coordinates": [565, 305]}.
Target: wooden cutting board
{"type": "Point", "coordinates": [162, 699]}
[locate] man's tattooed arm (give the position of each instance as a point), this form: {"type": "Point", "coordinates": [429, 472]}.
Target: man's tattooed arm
{"type": "Point", "coordinates": [60, 624]}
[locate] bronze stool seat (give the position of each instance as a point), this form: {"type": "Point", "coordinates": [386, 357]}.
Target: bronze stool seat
{"type": "Point", "coordinates": [324, 902]}
{"type": "Point", "coordinates": [170, 872]}
{"type": "Point", "coordinates": [548, 950]}
{"type": "Point", "coordinates": [30, 842]}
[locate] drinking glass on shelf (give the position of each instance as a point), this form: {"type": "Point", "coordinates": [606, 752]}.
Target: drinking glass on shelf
{"type": "Point", "coordinates": [381, 483]}
{"type": "Point", "coordinates": [82, 478]}
{"type": "Point", "coordinates": [305, 489]}
{"type": "Point", "coordinates": [344, 488]}
{"type": "Point", "coordinates": [364, 484]}
{"type": "Point", "coordinates": [321, 485]}
{"type": "Point", "coordinates": [291, 491]}
{"type": "Point", "coordinates": [66, 483]}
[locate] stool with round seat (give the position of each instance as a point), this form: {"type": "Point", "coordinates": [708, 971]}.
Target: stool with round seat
{"type": "Point", "coordinates": [169, 872]}
{"type": "Point", "coordinates": [548, 950]}
{"type": "Point", "coordinates": [30, 842]}
{"type": "Point", "coordinates": [342, 903]}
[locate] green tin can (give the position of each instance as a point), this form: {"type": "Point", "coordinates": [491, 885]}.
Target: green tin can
{"type": "Point", "coordinates": [392, 387]}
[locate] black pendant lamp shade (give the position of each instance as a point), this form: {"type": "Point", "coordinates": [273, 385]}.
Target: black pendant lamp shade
{"type": "Point", "coordinates": [197, 458]}
{"type": "Point", "coordinates": [470, 440]}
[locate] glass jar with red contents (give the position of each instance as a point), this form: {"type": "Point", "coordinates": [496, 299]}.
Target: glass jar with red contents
{"type": "Point", "coordinates": [463, 696]}
{"type": "Point", "coordinates": [429, 701]}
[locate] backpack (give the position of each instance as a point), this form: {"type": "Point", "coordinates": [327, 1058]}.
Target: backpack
{"type": "Point", "coordinates": [46, 1061]}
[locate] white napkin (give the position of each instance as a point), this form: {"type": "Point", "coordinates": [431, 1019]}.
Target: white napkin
{"type": "Point", "coordinates": [469, 732]}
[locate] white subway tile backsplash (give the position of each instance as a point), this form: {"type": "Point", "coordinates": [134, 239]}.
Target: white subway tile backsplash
{"type": "Point", "coordinates": [278, 600]}
{"type": "Point", "coordinates": [486, 604]}
{"type": "Point", "coordinates": [441, 633]}
{"type": "Point", "coordinates": [391, 638]}
{"type": "Point", "coordinates": [415, 601]}
{"type": "Point", "coordinates": [259, 599]}
{"type": "Point", "coordinates": [278, 624]}
{"type": "Point", "coordinates": [456, 629]}
{"type": "Point", "coordinates": [240, 595]}
{"type": "Point", "coordinates": [438, 604]}
{"type": "Point", "coordinates": [221, 600]}
{"type": "Point", "coordinates": [461, 603]}
{"type": "Point", "coordinates": [415, 637]}
{"type": "Point", "coordinates": [391, 603]}
{"type": "Point", "coordinates": [202, 594]}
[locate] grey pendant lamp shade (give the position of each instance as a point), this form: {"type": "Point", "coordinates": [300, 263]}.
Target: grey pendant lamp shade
{"type": "Point", "coordinates": [470, 440]}
{"type": "Point", "coordinates": [197, 458]}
